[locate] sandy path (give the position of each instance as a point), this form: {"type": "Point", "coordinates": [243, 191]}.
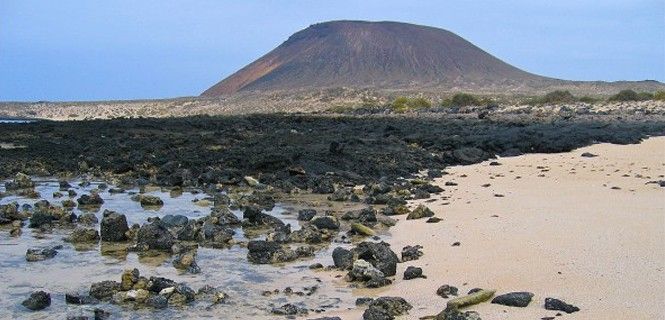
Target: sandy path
{"type": "Point", "coordinates": [559, 231]}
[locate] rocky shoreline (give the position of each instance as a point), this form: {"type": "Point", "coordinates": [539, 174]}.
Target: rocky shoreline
{"type": "Point", "coordinates": [247, 165]}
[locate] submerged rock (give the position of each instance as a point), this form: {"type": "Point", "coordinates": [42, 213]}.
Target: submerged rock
{"type": "Point", "coordinates": [147, 200]}
{"type": "Point", "coordinates": [38, 300]}
{"type": "Point", "coordinates": [187, 261]}
{"type": "Point", "coordinates": [32, 255]}
{"type": "Point", "coordinates": [306, 214]}
{"type": "Point", "coordinates": [83, 235]}
{"type": "Point", "coordinates": [104, 290]}
{"type": "Point", "coordinates": [289, 310]}
{"type": "Point", "coordinates": [75, 298]}
{"type": "Point", "coordinates": [92, 200]}
{"type": "Point", "coordinates": [265, 252]}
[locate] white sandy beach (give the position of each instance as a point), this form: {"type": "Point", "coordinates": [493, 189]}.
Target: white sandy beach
{"type": "Point", "coordinates": [561, 230]}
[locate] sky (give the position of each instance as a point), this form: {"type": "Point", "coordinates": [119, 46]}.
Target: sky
{"type": "Point", "coordinates": [69, 50]}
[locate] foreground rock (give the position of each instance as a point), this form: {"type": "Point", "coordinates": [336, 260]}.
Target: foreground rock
{"type": "Point", "coordinates": [386, 308]}
{"type": "Point", "coordinates": [154, 236]}
{"type": "Point", "coordinates": [113, 227]}
{"type": "Point", "coordinates": [364, 271]}
{"type": "Point", "coordinates": [558, 305]}
{"type": "Point", "coordinates": [420, 212]}
{"type": "Point", "coordinates": [379, 255]}
{"type": "Point", "coordinates": [140, 292]}
{"type": "Point", "coordinates": [38, 300]}
{"type": "Point", "coordinates": [514, 299]}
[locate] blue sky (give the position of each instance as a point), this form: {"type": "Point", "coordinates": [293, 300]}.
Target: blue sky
{"type": "Point", "coordinates": [129, 49]}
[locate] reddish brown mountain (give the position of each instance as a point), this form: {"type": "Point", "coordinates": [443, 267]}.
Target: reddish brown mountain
{"type": "Point", "coordinates": [375, 55]}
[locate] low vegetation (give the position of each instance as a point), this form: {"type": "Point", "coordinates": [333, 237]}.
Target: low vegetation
{"type": "Point", "coordinates": [659, 95]}
{"type": "Point", "coordinates": [630, 95]}
{"type": "Point", "coordinates": [461, 100]}
{"type": "Point", "coordinates": [403, 104]}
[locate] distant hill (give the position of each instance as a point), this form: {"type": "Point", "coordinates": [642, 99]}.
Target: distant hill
{"type": "Point", "coordinates": [387, 55]}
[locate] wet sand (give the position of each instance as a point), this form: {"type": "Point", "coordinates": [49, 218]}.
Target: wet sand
{"type": "Point", "coordinates": [587, 230]}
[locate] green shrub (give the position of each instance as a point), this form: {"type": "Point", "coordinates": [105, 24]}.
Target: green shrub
{"type": "Point", "coordinates": [461, 100]}
{"type": "Point", "coordinates": [644, 96]}
{"type": "Point", "coordinates": [659, 95]}
{"type": "Point", "coordinates": [587, 99]}
{"type": "Point", "coordinates": [625, 95]}
{"type": "Point", "coordinates": [559, 96]}
{"type": "Point", "coordinates": [402, 104]}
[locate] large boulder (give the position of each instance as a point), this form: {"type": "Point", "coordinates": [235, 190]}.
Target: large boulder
{"type": "Point", "coordinates": [154, 236]}
{"type": "Point", "coordinates": [113, 226]}
{"type": "Point", "coordinates": [342, 258]}
{"type": "Point", "coordinates": [379, 255]}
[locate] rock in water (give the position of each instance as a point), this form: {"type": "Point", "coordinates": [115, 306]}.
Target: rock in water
{"type": "Point", "coordinates": [21, 181]}
{"type": "Point", "coordinates": [113, 227]}
{"type": "Point", "coordinates": [92, 200]}
{"type": "Point", "coordinates": [420, 212]}
{"type": "Point", "coordinates": [32, 255]}
{"type": "Point", "coordinates": [325, 222]}
{"type": "Point", "coordinates": [38, 300]}
{"type": "Point", "coordinates": [83, 235]}
{"type": "Point", "coordinates": [556, 304]}
{"type": "Point", "coordinates": [154, 236]}
{"type": "Point", "coordinates": [306, 214]}
{"type": "Point", "coordinates": [514, 299]}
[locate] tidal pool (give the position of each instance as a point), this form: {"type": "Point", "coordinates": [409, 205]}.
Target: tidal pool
{"type": "Point", "coordinates": [76, 267]}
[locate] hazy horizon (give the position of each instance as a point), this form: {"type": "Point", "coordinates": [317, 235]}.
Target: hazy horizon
{"type": "Point", "coordinates": [77, 50]}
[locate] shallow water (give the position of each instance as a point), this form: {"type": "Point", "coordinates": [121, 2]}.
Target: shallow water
{"type": "Point", "coordinates": [75, 268]}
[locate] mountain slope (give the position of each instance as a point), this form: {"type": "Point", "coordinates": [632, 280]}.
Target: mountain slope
{"type": "Point", "coordinates": [373, 54]}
